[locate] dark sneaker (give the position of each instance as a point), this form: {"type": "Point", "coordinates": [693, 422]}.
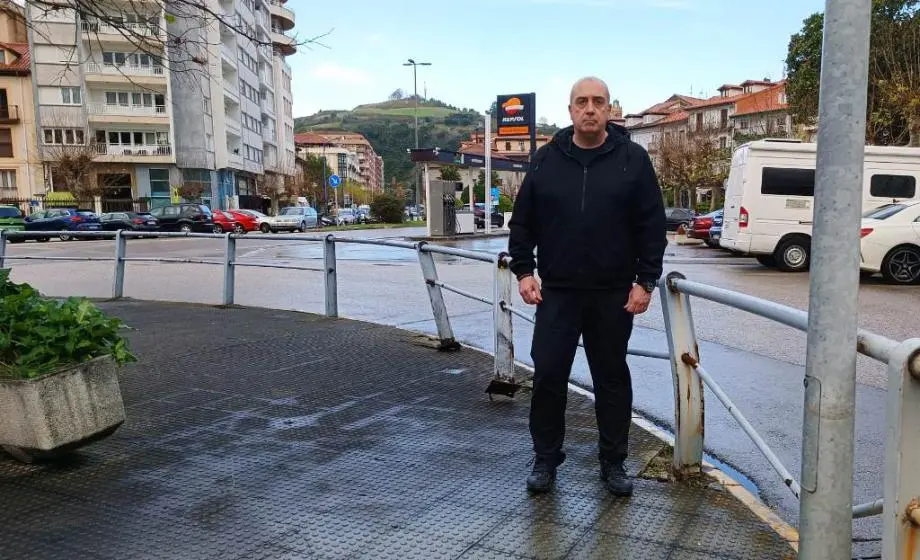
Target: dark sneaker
{"type": "Point", "coordinates": [618, 483]}
{"type": "Point", "coordinates": [543, 475]}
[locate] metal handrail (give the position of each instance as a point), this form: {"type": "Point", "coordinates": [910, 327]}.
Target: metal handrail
{"type": "Point", "coordinates": [683, 350]}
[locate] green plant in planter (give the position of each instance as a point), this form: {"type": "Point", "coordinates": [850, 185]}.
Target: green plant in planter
{"type": "Point", "coordinates": [39, 336]}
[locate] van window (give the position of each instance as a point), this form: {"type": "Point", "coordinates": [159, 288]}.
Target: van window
{"type": "Point", "coordinates": [893, 186]}
{"type": "Point", "coordinates": [788, 182]}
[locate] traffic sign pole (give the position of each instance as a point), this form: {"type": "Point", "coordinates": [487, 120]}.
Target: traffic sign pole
{"type": "Point", "coordinates": [487, 218]}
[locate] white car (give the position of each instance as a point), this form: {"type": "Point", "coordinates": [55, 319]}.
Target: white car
{"type": "Point", "coordinates": [267, 224]}
{"type": "Point", "coordinates": [890, 242]}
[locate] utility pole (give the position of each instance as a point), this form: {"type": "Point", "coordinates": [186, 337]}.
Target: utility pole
{"type": "Point", "coordinates": [415, 66]}
{"type": "Point", "coordinates": [826, 514]}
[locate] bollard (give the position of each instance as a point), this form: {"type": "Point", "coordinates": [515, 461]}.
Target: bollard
{"type": "Point", "coordinates": [688, 387]}
{"type": "Point", "coordinates": [330, 280]}
{"type": "Point", "coordinates": [118, 281]}
{"type": "Point", "coordinates": [2, 247]}
{"type": "Point", "coordinates": [229, 269]}
{"type": "Point", "coordinates": [438, 307]}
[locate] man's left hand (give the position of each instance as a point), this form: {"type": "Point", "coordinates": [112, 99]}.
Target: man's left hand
{"type": "Point", "coordinates": [639, 300]}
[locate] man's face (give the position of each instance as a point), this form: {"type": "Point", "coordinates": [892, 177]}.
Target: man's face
{"type": "Point", "coordinates": [590, 107]}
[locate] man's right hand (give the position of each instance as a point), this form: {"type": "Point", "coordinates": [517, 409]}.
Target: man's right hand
{"type": "Point", "coordinates": [530, 290]}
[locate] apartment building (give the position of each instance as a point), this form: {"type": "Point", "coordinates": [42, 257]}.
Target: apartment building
{"type": "Point", "coordinates": [369, 164]}
{"type": "Point", "coordinates": [104, 93]}
{"type": "Point", "coordinates": [235, 124]}
{"type": "Point", "coordinates": [215, 112]}
{"type": "Point", "coordinates": [20, 166]}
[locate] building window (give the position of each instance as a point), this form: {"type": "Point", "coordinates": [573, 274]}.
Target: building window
{"type": "Point", "coordinates": [6, 142]}
{"type": "Point", "coordinates": [71, 96]}
{"type": "Point", "coordinates": [723, 143]}
{"type": "Point", "coordinates": [723, 118]}
{"type": "Point", "coordinates": [63, 136]}
{"type": "Point", "coordinates": [507, 146]}
{"type": "Point", "coordinates": [2, 56]}
{"type": "Point", "coordinates": [159, 183]}
{"type": "Point", "coordinates": [8, 180]}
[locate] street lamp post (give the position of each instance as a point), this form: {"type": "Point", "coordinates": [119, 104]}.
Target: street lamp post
{"type": "Point", "coordinates": [415, 66]}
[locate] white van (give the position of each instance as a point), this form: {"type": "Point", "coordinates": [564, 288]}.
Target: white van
{"type": "Point", "coordinates": [769, 196]}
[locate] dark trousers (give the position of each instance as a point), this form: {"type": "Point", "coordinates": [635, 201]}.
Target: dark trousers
{"type": "Point", "coordinates": [600, 319]}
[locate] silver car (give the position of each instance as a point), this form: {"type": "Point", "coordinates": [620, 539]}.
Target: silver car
{"type": "Point", "coordinates": [295, 218]}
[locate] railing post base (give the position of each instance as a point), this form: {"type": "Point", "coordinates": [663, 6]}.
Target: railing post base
{"type": "Point", "coordinates": [688, 387]}
{"type": "Point", "coordinates": [438, 307]}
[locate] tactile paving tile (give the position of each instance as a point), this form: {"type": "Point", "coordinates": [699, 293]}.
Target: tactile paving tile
{"type": "Point", "coordinates": [535, 539]}
{"type": "Point", "coordinates": [600, 546]}
{"type": "Point", "coordinates": [286, 441]}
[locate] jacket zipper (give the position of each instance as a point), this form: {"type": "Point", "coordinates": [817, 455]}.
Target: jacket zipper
{"type": "Point", "coordinates": [584, 189]}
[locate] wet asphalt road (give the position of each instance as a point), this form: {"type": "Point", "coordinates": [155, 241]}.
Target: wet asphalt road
{"type": "Point", "coordinates": [758, 363]}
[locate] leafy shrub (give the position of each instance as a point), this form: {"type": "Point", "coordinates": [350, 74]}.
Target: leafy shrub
{"type": "Point", "coordinates": [388, 208]}
{"type": "Point", "coordinates": [39, 336]}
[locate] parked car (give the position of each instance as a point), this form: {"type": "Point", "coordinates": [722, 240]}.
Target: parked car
{"type": "Point", "coordinates": [248, 222]}
{"type": "Point", "coordinates": [479, 213]}
{"type": "Point", "coordinates": [363, 216]}
{"type": "Point", "coordinates": [264, 222]}
{"type": "Point", "coordinates": [298, 218]}
{"type": "Point", "coordinates": [225, 223]}
{"type": "Point", "coordinates": [715, 232]}
{"type": "Point", "coordinates": [677, 217]}
{"type": "Point", "coordinates": [114, 221]}
{"type": "Point", "coordinates": [185, 217]}
{"type": "Point", "coordinates": [11, 220]}
{"type": "Point", "coordinates": [700, 227]}
{"type": "Point", "coordinates": [345, 217]}
{"type": "Point", "coordinates": [64, 220]}
{"type": "Point", "coordinates": [890, 242]}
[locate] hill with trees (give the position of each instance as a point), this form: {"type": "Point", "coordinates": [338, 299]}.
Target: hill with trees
{"type": "Point", "coordinates": [389, 127]}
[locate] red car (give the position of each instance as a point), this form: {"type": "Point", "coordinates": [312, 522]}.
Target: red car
{"type": "Point", "coordinates": [247, 221]}
{"type": "Point", "coordinates": [699, 227]}
{"type": "Point", "coordinates": [224, 223]}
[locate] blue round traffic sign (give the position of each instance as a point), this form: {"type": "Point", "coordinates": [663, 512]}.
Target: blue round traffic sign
{"type": "Point", "coordinates": [334, 181]}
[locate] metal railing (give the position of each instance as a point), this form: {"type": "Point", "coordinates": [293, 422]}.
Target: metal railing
{"type": "Point", "coordinates": [901, 502]}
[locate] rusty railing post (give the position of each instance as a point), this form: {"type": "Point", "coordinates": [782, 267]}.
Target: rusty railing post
{"type": "Point", "coordinates": [503, 382]}
{"type": "Point", "coordinates": [688, 387]}
{"type": "Point", "coordinates": [438, 307]}
{"type": "Point", "coordinates": [901, 533]}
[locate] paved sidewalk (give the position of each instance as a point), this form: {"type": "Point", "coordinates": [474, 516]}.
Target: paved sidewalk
{"type": "Point", "coordinates": [263, 434]}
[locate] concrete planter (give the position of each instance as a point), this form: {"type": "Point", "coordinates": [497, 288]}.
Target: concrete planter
{"type": "Point", "coordinates": [55, 414]}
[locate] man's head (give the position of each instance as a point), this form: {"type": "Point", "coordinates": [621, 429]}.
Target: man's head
{"type": "Point", "coordinates": [589, 105]}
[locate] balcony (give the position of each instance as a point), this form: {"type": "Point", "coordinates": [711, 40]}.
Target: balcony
{"type": "Point", "coordinates": [283, 43]}
{"type": "Point", "coordinates": [152, 153]}
{"type": "Point", "coordinates": [268, 136]}
{"type": "Point", "coordinates": [103, 111]}
{"type": "Point", "coordinates": [235, 160]}
{"type": "Point", "coordinates": [231, 92]}
{"type": "Point", "coordinates": [252, 166]}
{"type": "Point", "coordinates": [282, 15]}
{"type": "Point", "coordinates": [265, 51]}
{"type": "Point", "coordinates": [126, 73]}
{"type": "Point", "coordinates": [233, 125]}
{"type": "Point", "coordinates": [127, 31]}
{"type": "Point", "coordinates": [9, 114]}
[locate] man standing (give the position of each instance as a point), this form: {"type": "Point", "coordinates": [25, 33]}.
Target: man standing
{"type": "Point", "coordinates": [591, 207]}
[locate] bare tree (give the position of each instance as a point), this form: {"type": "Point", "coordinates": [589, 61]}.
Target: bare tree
{"type": "Point", "coordinates": [190, 190]}
{"type": "Point", "coordinates": [73, 166]}
{"type": "Point", "coordinates": [693, 161]}
{"type": "Point", "coordinates": [175, 32]}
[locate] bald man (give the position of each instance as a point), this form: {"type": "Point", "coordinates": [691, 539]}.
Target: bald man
{"type": "Point", "coordinates": [591, 208]}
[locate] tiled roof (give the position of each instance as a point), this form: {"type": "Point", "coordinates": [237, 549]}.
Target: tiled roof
{"type": "Point", "coordinates": [675, 117]}
{"type": "Point", "coordinates": [310, 138]}
{"type": "Point", "coordinates": [715, 102]}
{"type": "Point", "coordinates": [667, 106]}
{"type": "Point", "coordinates": [763, 101]}
{"type": "Point", "coordinates": [22, 65]}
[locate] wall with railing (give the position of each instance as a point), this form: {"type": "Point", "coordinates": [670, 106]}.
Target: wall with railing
{"type": "Point", "coordinates": [900, 504]}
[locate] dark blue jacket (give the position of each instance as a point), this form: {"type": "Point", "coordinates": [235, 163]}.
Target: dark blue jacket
{"type": "Point", "coordinates": [595, 227]}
